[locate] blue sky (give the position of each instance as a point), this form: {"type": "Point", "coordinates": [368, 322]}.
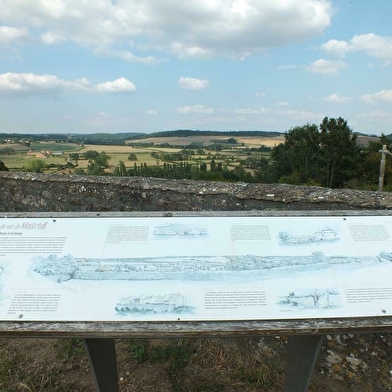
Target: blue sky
{"type": "Point", "coordinates": [130, 65]}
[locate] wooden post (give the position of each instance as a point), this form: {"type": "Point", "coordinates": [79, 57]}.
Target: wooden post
{"type": "Point", "coordinates": [383, 152]}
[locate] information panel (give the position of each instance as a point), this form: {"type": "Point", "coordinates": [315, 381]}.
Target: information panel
{"type": "Point", "coordinates": [195, 268]}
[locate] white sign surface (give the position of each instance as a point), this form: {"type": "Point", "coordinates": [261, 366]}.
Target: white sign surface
{"type": "Point", "coordinates": [195, 268]}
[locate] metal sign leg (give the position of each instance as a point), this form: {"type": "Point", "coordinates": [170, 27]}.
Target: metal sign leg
{"type": "Point", "coordinates": [102, 357]}
{"type": "Point", "coordinates": [302, 352]}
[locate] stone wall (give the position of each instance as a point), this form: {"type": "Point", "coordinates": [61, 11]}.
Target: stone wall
{"type": "Point", "coordinates": [28, 192]}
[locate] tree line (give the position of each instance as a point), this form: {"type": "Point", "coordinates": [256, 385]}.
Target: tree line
{"type": "Point", "coordinates": [327, 155]}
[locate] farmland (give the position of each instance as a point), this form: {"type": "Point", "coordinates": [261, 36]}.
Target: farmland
{"type": "Point", "coordinates": [150, 151]}
{"type": "Point", "coordinates": [199, 155]}
{"type": "Point", "coordinates": [206, 140]}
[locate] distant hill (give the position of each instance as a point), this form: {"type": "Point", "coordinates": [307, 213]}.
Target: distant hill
{"type": "Point", "coordinates": [121, 138]}
{"type": "Point", "coordinates": [92, 138]}
{"type": "Point", "coordinates": [188, 132]}
{"type": "Point", "coordinates": [363, 140]}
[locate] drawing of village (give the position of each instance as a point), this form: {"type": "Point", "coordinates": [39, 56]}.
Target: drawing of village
{"type": "Point", "coordinates": [317, 237]}
{"type": "Point", "coordinates": [311, 299]}
{"type": "Point", "coordinates": [154, 304]}
{"type": "Point", "coordinates": [190, 268]}
{"type": "Point", "coordinates": [179, 230]}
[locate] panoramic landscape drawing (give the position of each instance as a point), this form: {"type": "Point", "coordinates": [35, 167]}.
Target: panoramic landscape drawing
{"type": "Point", "coordinates": [179, 230]}
{"type": "Point", "coordinates": [190, 268]}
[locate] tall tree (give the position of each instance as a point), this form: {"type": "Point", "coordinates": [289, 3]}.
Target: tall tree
{"type": "Point", "coordinates": [297, 159]}
{"type": "Point", "coordinates": [90, 154]}
{"type": "Point", "coordinates": [339, 152]}
{"type": "Point", "coordinates": [102, 159]}
{"type": "Point", "coordinates": [120, 170]}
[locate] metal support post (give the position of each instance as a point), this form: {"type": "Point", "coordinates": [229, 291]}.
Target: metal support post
{"type": "Point", "coordinates": [302, 352]}
{"type": "Point", "coordinates": [102, 357]}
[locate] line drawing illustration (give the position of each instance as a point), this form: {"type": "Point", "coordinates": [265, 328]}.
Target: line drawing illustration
{"type": "Point", "coordinates": [179, 230]}
{"type": "Point", "coordinates": [190, 268]}
{"type": "Point", "coordinates": [310, 299]}
{"type": "Point", "coordinates": [318, 237]}
{"type": "Point", "coordinates": [154, 304]}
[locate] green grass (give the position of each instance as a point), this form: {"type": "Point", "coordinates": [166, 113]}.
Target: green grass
{"type": "Point", "coordinates": [70, 349]}
{"type": "Point", "coordinates": [174, 357]}
{"type": "Point", "coordinates": [55, 147]}
{"type": "Point", "coordinates": [17, 161]}
{"type": "Point", "coordinates": [261, 376]}
{"type": "Point", "coordinates": [17, 374]}
{"type": "Point", "coordinates": [138, 350]}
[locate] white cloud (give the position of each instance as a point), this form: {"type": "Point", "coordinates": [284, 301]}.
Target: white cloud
{"type": "Point", "coordinates": [132, 58]}
{"type": "Point", "coordinates": [198, 109]}
{"type": "Point", "coordinates": [260, 94]}
{"type": "Point", "coordinates": [9, 35]}
{"type": "Point", "coordinates": [282, 103]}
{"type": "Point", "coordinates": [104, 115]}
{"type": "Point", "coordinates": [292, 114]}
{"type": "Point", "coordinates": [207, 28]}
{"type": "Point", "coordinates": [29, 83]}
{"type": "Point", "coordinates": [327, 67]}
{"type": "Point", "coordinates": [193, 83]}
{"type": "Point", "coordinates": [249, 111]}
{"type": "Point", "coordinates": [121, 85]}
{"type": "Point", "coordinates": [300, 115]}
{"type": "Point", "coordinates": [336, 48]}
{"type": "Point", "coordinates": [100, 120]}
{"type": "Point", "coordinates": [289, 66]}
{"type": "Point", "coordinates": [335, 98]}
{"type": "Point", "coordinates": [184, 51]}
{"type": "Point", "coordinates": [152, 112]}
{"type": "Point", "coordinates": [381, 96]}
{"type": "Point", "coordinates": [51, 38]}
{"type": "Point", "coordinates": [371, 44]}
{"type": "Point", "coordinates": [373, 115]}
{"type": "Point", "coordinates": [35, 84]}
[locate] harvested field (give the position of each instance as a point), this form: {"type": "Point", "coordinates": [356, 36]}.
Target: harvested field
{"type": "Point", "coordinates": [250, 141]}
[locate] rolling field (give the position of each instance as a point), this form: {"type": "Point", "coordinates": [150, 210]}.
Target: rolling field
{"type": "Point", "coordinates": [230, 155]}
{"type": "Point", "coordinates": [109, 149]}
{"type": "Point", "coordinates": [55, 147]}
{"type": "Point", "coordinates": [249, 141]}
{"type": "Point", "coordinates": [261, 141]}
{"type": "Point", "coordinates": [17, 147]}
{"type": "Point", "coordinates": [20, 158]}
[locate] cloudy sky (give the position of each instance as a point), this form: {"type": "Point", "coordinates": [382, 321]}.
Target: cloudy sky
{"type": "Point", "coordinates": [129, 65]}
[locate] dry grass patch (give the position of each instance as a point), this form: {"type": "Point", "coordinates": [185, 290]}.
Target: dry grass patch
{"type": "Point", "coordinates": [109, 149]}
{"type": "Point", "coordinates": [180, 140]}
{"type": "Point", "coordinates": [260, 141]}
